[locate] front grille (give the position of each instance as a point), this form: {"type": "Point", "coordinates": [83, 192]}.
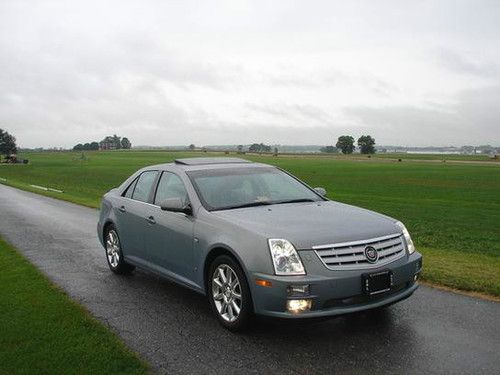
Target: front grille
{"type": "Point", "coordinates": [351, 255]}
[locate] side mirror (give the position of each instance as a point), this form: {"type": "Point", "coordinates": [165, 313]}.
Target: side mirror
{"type": "Point", "coordinates": [321, 191]}
{"type": "Point", "coordinates": [176, 205]}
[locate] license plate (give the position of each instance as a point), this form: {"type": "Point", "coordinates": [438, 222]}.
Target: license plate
{"type": "Point", "coordinates": [375, 283]}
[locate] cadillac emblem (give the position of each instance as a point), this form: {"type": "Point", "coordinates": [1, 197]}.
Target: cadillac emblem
{"type": "Point", "coordinates": [371, 254]}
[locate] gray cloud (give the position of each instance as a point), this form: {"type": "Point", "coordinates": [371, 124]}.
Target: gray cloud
{"type": "Point", "coordinates": [292, 112]}
{"type": "Point", "coordinates": [237, 72]}
{"type": "Point", "coordinates": [418, 126]}
{"type": "Point", "coordinates": [466, 65]}
{"type": "Point", "coordinates": [480, 110]}
{"type": "Point", "coordinates": [475, 112]}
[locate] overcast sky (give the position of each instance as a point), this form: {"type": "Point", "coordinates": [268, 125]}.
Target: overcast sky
{"type": "Point", "coordinates": [231, 72]}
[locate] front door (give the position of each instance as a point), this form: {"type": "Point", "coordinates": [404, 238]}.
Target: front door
{"type": "Point", "coordinates": [169, 236]}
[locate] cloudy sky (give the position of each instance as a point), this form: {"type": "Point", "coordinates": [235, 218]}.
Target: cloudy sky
{"type": "Point", "coordinates": [231, 72]}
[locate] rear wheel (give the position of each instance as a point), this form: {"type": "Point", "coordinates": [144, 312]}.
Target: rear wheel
{"type": "Point", "coordinates": [229, 294]}
{"type": "Point", "coordinates": [114, 253]}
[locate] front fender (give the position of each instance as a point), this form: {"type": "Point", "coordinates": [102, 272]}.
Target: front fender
{"type": "Point", "coordinates": [250, 249]}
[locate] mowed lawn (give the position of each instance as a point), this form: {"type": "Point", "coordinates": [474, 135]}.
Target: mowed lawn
{"type": "Point", "coordinates": [43, 332]}
{"type": "Point", "coordinates": [451, 209]}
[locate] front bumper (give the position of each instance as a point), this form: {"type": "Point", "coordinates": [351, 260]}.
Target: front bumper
{"type": "Point", "coordinates": [334, 292]}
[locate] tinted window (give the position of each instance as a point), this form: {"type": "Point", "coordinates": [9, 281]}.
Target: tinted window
{"type": "Point", "coordinates": [229, 188]}
{"type": "Point", "coordinates": [144, 185]}
{"type": "Point", "coordinates": [130, 189]}
{"type": "Point", "coordinates": [170, 186]}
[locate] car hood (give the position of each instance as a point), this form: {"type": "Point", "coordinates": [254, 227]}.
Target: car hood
{"type": "Point", "coordinates": [312, 223]}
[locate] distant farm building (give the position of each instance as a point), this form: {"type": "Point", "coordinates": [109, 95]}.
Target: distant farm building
{"type": "Point", "coordinates": [107, 145]}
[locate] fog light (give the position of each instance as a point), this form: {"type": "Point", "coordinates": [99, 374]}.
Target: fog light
{"type": "Point", "coordinates": [415, 278]}
{"type": "Point", "coordinates": [418, 266]}
{"type": "Point", "coordinates": [298, 290]}
{"type": "Point", "coordinates": [297, 306]}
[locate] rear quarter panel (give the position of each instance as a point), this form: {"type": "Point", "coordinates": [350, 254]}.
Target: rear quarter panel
{"type": "Point", "coordinates": [106, 214]}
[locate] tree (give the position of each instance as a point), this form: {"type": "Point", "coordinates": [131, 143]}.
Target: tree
{"type": "Point", "coordinates": [126, 143]}
{"type": "Point", "coordinates": [7, 143]}
{"type": "Point", "coordinates": [329, 149]}
{"type": "Point", "coordinates": [259, 147]}
{"type": "Point", "coordinates": [117, 141]}
{"type": "Point", "coordinates": [240, 148]}
{"type": "Point", "coordinates": [346, 144]}
{"type": "Point", "coordinates": [366, 144]}
{"type": "Point", "coordinates": [254, 147]}
{"type": "Point", "coordinates": [191, 146]}
{"type": "Point", "coordinates": [86, 146]}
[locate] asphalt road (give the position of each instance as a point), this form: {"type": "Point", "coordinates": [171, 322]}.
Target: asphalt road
{"type": "Point", "coordinates": [172, 328]}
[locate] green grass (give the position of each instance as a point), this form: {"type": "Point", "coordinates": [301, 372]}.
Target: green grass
{"type": "Point", "coordinates": [435, 157]}
{"type": "Point", "coordinates": [469, 272]}
{"type": "Point", "coordinates": [451, 208]}
{"type": "Point", "coordinates": [403, 156]}
{"type": "Point", "coordinates": [42, 331]}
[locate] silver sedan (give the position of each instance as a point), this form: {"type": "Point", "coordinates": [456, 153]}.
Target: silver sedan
{"type": "Point", "coordinates": [256, 240]}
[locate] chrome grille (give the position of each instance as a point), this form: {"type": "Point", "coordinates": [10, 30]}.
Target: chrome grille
{"type": "Point", "coordinates": [351, 255]}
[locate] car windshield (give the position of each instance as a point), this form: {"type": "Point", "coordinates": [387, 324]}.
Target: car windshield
{"type": "Point", "coordinates": [229, 188]}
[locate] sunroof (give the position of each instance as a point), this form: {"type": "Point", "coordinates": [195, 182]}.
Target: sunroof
{"type": "Point", "coordinates": [205, 161]}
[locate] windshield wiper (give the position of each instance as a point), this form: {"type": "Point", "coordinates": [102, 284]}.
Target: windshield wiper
{"type": "Point", "coordinates": [300, 200]}
{"type": "Point", "coordinates": [266, 203]}
{"type": "Point", "coordinates": [251, 204]}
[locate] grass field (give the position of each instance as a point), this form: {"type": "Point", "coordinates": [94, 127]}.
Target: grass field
{"type": "Point", "coordinates": [403, 156]}
{"type": "Point", "coordinates": [437, 157]}
{"type": "Point", "coordinates": [42, 331]}
{"type": "Point", "coordinates": [451, 209]}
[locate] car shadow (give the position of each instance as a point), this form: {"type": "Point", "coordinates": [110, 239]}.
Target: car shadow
{"type": "Point", "coordinates": [291, 343]}
{"type": "Point", "coordinates": [381, 320]}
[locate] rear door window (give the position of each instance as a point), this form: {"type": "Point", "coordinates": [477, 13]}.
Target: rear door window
{"type": "Point", "coordinates": [143, 186]}
{"type": "Point", "coordinates": [130, 189]}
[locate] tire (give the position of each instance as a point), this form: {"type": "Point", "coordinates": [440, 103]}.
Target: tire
{"type": "Point", "coordinates": [228, 292]}
{"type": "Point", "coordinates": [113, 251]}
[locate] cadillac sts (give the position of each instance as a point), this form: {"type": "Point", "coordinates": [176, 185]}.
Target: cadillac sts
{"type": "Point", "coordinates": [256, 240]}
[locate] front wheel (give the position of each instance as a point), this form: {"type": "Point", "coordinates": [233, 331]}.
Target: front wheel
{"type": "Point", "coordinates": [114, 253]}
{"type": "Point", "coordinates": [229, 294]}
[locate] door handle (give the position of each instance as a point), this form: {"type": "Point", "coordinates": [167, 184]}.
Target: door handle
{"type": "Point", "coordinates": [122, 209]}
{"type": "Point", "coordinates": [151, 220]}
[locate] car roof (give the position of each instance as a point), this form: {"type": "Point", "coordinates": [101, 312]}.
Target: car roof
{"type": "Point", "coordinates": [203, 163]}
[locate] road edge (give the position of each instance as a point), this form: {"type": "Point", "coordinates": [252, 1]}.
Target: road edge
{"type": "Point", "coordinates": [479, 295]}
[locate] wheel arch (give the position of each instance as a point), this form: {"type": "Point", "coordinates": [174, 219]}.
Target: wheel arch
{"type": "Point", "coordinates": [213, 253]}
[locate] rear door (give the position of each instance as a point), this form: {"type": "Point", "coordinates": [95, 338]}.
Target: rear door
{"type": "Point", "coordinates": [131, 215]}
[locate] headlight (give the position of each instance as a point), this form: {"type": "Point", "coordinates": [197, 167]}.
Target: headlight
{"type": "Point", "coordinates": [285, 258]}
{"type": "Point", "coordinates": [409, 242]}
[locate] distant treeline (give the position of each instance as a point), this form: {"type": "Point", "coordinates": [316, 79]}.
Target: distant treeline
{"type": "Point", "coordinates": [345, 144]}
{"type": "Point", "coordinates": [111, 142]}
{"type": "Point", "coordinates": [86, 146]}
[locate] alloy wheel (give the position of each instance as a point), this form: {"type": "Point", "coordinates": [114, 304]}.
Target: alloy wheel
{"type": "Point", "coordinates": [226, 293]}
{"type": "Point", "coordinates": [113, 248]}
